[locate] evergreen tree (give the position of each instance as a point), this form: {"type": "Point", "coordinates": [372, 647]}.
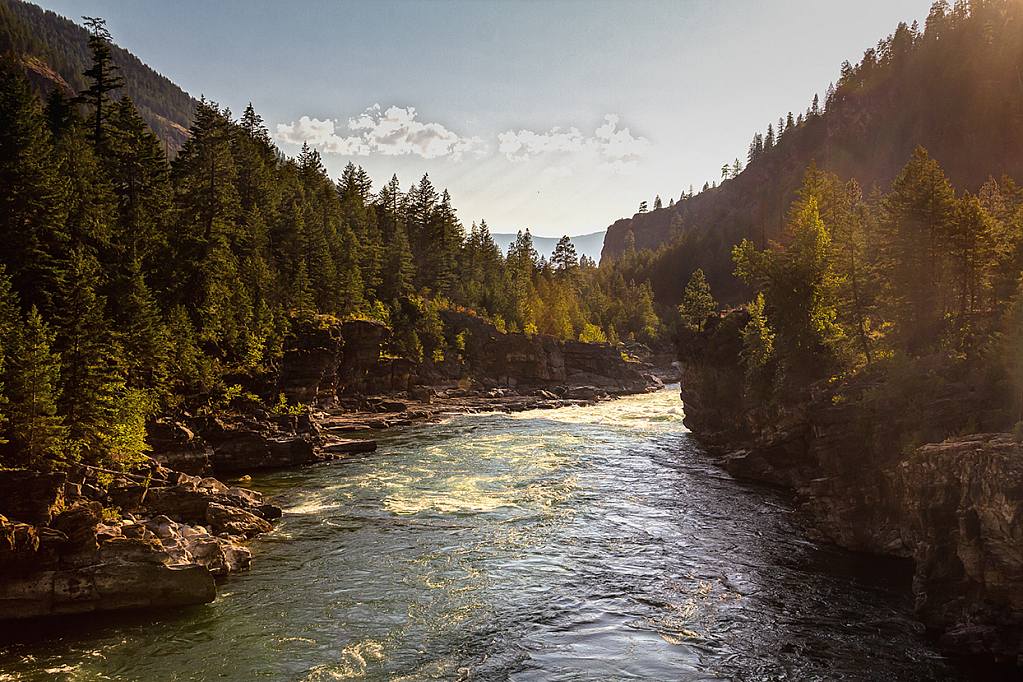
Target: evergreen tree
{"type": "Point", "coordinates": [206, 205]}
{"type": "Point", "coordinates": [140, 177]}
{"type": "Point", "coordinates": [88, 379]}
{"type": "Point", "coordinates": [564, 259]}
{"type": "Point", "coordinates": [9, 324]}
{"type": "Point", "coordinates": [31, 192]}
{"type": "Point", "coordinates": [697, 302]}
{"type": "Point", "coordinates": [34, 431]}
{"type": "Point", "coordinates": [912, 256]}
{"type": "Point", "coordinates": [800, 295]}
{"type": "Point", "coordinates": [104, 80]}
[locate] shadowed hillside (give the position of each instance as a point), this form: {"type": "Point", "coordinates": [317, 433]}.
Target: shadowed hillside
{"type": "Point", "coordinates": [56, 52]}
{"type": "Point", "coordinates": [953, 88]}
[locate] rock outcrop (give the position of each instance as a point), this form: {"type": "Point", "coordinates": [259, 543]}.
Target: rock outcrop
{"type": "Point", "coordinates": [63, 554]}
{"type": "Point", "coordinates": [494, 359]}
{"type": "Point", "coordinates": [875, 466]}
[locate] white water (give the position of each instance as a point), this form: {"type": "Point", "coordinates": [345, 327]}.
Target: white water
{"type": "Point", "coordinates": [574, 544]}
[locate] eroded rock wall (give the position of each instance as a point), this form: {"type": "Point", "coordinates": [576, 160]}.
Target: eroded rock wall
{"type": "Point", "coordinates": [850, 450]}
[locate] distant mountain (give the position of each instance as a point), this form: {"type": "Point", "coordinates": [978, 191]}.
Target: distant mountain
{"type": "Point", "coordinates": [953, 88]}
{"type": "Point", "coordinates": [585, 244]}
{"type": "Point", "coordinates": [55, 52]}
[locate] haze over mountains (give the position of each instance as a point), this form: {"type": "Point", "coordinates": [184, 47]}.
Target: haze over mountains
{"type": "Point", "coordinates": [588, 245]}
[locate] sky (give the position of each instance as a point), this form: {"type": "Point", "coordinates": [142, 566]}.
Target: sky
{"type": "Point", "coordinates": [553, 115]}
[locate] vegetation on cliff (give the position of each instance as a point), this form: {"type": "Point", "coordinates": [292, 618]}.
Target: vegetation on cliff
{"type": "Point", "coordinates": [905, 293]}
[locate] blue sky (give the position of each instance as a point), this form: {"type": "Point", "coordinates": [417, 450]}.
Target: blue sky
{"type": "Point", "coordinates": [559, 116]}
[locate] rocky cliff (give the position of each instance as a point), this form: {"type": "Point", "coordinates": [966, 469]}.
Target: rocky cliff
{"type": "Point", "coordinates": [880, 469]}
{"type": "Point", "coordinates": [328, 360]}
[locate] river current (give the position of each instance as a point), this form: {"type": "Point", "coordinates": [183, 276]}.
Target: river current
{"type": "Point", "coordinates": [592, 543]}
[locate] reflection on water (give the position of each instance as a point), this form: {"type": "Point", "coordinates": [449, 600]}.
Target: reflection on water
{"type": "Point", "coordinates": [574, 544]}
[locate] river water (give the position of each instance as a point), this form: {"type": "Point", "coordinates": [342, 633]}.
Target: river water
{"type": "Point", "coordinates": [572, 544]}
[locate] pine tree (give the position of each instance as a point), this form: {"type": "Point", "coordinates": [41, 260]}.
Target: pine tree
{"type": "Point", "coordinates": [9, 324]}
{"type": "Point", "coordinates": [697, 302]}
{"type": "Point", "coordinates": [88, 378]}
{"type": "Point", "coordinates": [31, 192]}
{"type": "Point", "coordinates": [35, 433]}
{"type": "Point", "coordinates": [104, 79]}
{"type": "Point", "coordinates": [565, 260]}
{"type": "Point", "coordinates": [206, 206]}
{"type": "Point", "coordinates": [140, 176]}
{"type": "Point", "coordinates": [912, 256]}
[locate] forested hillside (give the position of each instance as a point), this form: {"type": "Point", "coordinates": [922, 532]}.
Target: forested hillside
{"type": "Point", "coordinates": [56, 54]}
{"type": "Point", "coordinates": [952, 87]}
{"type": "Point", "coordinates": [132, 285]}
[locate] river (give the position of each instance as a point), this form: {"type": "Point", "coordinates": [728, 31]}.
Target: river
{"type": "Point", "coordinates": [591, 543]}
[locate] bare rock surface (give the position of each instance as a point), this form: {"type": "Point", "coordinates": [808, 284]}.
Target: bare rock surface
{"type": "Point", "coordinates": [174, 534]}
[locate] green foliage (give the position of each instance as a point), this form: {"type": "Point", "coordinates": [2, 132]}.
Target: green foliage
{"type": "Point", "coordinates": [757, 353]}
{"type": "Point", "coordinates": [59, 44]}
{"type": "Point", "coordinates": [282, 406]}
{"type": "Point", "coordinates": [35, 432]}
{"type": "Point", "coordinates": [593, 334]}
{"type": "Point", "coordinates": [697, 302]}
{"type": "Point", "coordinates": [799, 289]}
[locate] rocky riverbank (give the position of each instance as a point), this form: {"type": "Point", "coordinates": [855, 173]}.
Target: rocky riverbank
{"type": "Point", "coordinates": [88, 540]}
{"type": "Point", "coordinates": [347, 383]}
{"type": "Point", "coordinates": [876, 466]}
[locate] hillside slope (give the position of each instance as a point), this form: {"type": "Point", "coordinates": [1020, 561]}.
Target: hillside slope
{"type": "Point", "coordinates": [56, 52]}
{"type": "Point", "coordinates": [954, 88]}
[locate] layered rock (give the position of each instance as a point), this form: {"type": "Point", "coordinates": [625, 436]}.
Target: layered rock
{"type": "Point", "coordinates": [308, 371]}
{"type": "Point", "coordinates": [176, 532]}
{"type": "Point", "coordinates": [493, 358]}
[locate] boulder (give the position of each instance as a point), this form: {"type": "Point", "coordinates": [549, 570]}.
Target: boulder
{"type": "Point", "coordinates": [342, 446]}
{"type": "Point", "coordinates": [234, 521]}
{"type": "Point", "coordinates": [103, 587]}
{"type": "Point", "coordinates": [175, 446]}
{"type": "Point", "coordinates": [218, 555]}
{"type": "Point", "coordinates": [78, 524]}
{"type": "Point", "coordinates": [31, 497]}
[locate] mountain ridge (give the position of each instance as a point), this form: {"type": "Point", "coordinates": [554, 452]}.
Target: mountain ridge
{"type": "Point", "coordinates": [55, 52]}
{"type": "Point", "coordinates": [954, 89]}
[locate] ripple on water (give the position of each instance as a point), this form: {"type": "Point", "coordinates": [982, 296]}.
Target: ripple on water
{"type": "Point", "coordinates": [590, 543]}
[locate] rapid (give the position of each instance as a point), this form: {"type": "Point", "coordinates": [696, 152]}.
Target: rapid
{"type": "Point", "coordinates": [585, 543]}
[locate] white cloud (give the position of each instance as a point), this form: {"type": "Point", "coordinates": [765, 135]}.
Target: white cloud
{"type": "Point", "coordinates": [313, 131]}
{"type": "Point", "coordinates": [393, 132]}
{"type": "Point", "coordinates": [558, 171]}
{"type": "Point", "coordinates": [526, 143]}
{"type": "Point", "coordinates": [620, 143]}
{"type": "Point", "coordinates": [607, 140]}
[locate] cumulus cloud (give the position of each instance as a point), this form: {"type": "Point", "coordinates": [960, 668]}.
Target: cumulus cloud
{"type": "Point", "coordinates": [393, 132]}
{"type": "Point", "coordinates": [607, 141]}
{"type": "Point", "coordinates": [526, 143]}
{"type": "Point", "coordinates": [619, 144]}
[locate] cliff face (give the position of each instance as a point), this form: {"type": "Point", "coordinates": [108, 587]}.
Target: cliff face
{"type": "Point", "coordinates": [850, 450]}
{"type": "Point", "coordinates": [348, 358]}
